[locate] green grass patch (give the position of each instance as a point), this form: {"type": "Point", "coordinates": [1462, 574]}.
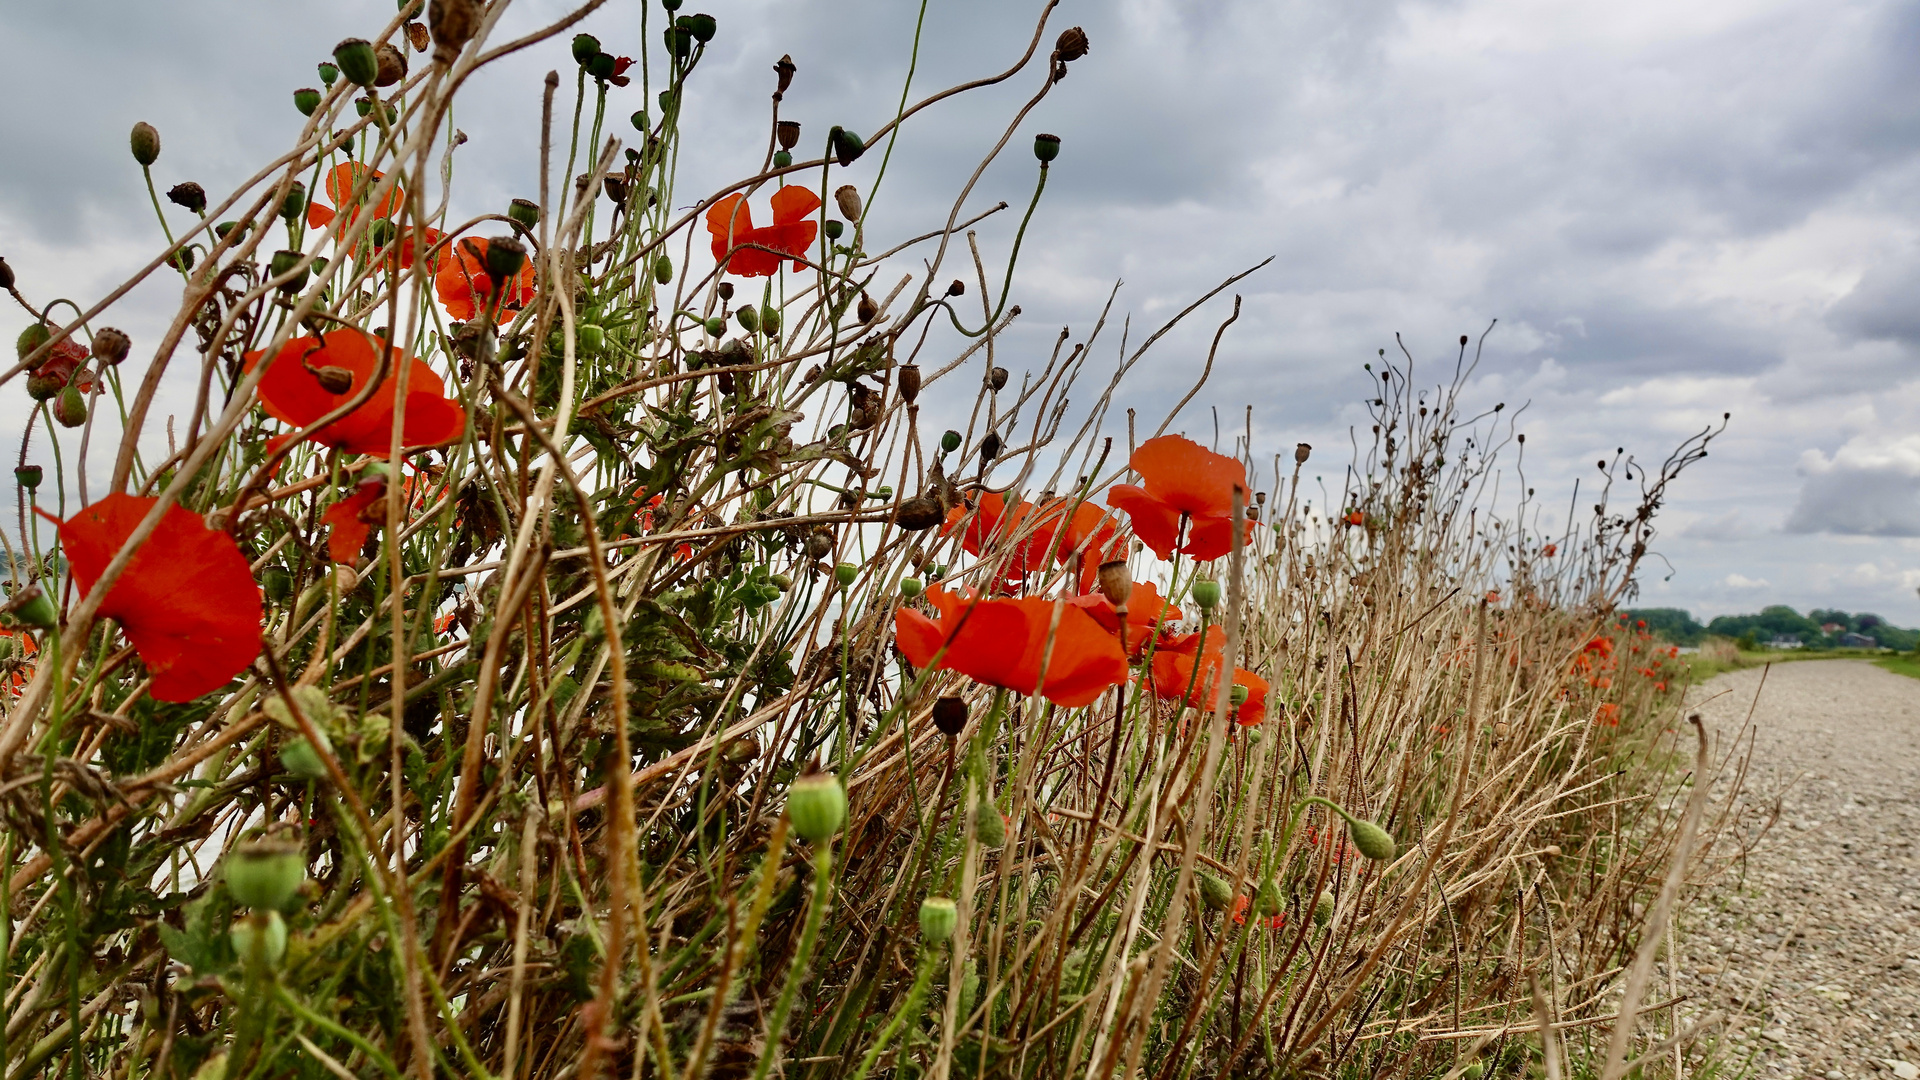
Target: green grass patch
{"type": "Point", "coordinates": [1906, 664]}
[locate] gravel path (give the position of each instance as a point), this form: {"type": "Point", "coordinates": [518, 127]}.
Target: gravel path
{"type": "Point", "coordinates": [1817, 945]}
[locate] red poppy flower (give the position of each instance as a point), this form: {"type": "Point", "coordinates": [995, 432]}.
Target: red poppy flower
{"type": "Point", "coordinates": [1183, 480]}
{"type": "Point", "coordinates": [26, 647]}
{"type": "Point", "coordinates": [1549, 550]}
{"type": "Point", "coordinates": [1146, 615]}
{"type": "Point", "coordinates": [993, 522]}
{"type": "Point", "coordinates": [1174, 660]}
{"type": "Point", "coordinates": [620, 66]}
{"type": "Point", "coordinates": [187, 601]}
{"type": "Point", "coordinates": [1000, 642]}
{"type": "Point", "coordinates": [352, 518]}
{"type": "Point", "coordinates": [1607, 715]}
{"type": "Point", "coordinates": [464, 284]}
{"type": "Point", "coordinates": [1271, 922]}
{"type": "Point", "coordinates": [341, 184]}
{"type": "Point", "coordinates": [791, 233]}
{"type": "Point", "coordinates": [291, 393]}
{"type": "Point", "coordinates": [63, 358]}
{"type": "Point", "coordinates": [1093, 536]}
{"type": "Point", "coordinates": [1355, 518]}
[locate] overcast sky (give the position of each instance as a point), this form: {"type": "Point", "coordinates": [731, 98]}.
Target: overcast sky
{"type": "Point", "coordinates": [1674, 210]}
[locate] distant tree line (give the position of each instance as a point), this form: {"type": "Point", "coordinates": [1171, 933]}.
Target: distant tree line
{"type": "Point", "coordinates": [1821, 628]}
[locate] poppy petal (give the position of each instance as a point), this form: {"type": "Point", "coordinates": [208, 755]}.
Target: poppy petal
{"type": "Point", "coordinates": [794, 203]}
{"type": "Point", "coordinates": [1154, 522]}
{"type": "Point", "coordinates": [1187, 476]}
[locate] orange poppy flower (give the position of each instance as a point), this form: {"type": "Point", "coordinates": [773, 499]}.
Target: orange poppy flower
{"type": "Point", "coordinates": [1000, 642]}
{"type": "Point", "coordinates": [1271, 922]}
{"type": "Point", "coordinates": [17, 681]}
{"type": "Point", "coordinates": [791, 234]}
{"type": "Point", "coordinates": [1147, 615]}
{"type": "Point", "coordinates": [1607, 715]}
{"type": "Point", "coordinates": [464, 284]}
{"type": "Point", "coordinates": [1355, 518]}
{"type": "Point", "coordinates": [1093, 536]}
{"type": "Point", "coordinates": [353, 518]}
{"type": "Point", "coordinates": [1549, 551]}
{"type": "Point", "coordinates": [1183, 481]}
{"type": "Point", "coordinates": [341, 183]}
{"type": "Point", "coordinates": [1174, 661]}
{"type": "Point", "coordinates": [187, 602]}
{"type": "Point", "coordinates": [292, 394]}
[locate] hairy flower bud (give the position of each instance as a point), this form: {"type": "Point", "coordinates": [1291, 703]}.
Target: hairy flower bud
{"type": "Point", "coordinates": [301, 759]}
{"type": "Point", "coordinates": [938, 918]}
{"type": "Point", "coordinates": [817, 806]}
{"type": "Point", "coordinates": [145, 142]}
{"type": "Point", "coordinates": [111, 345]}
{"type": "Point", "coordinates": [989, 827]}
{"type": "Point", "coordinates": [1214, 893]}
{"type": "Point", "coordinates": [357, 61]}
{"type": "Point", "coordinates": [749, 319]}
{"type": "Point", "coordinates": [34, 336]}
{"type": "Point", "coordinates": [70, 408]}
{"type": "Point", "coordinates": [663, 269]}
{"type": "Point", "coordinates": [1372, 841]}
{"type": "Point", "coordinates": [769, 319]}
{"type": "Point", "coordinates": [1323, 908]}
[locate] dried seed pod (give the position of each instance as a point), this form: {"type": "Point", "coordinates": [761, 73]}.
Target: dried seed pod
{"type": "Point", "coordinates": [6, 275]}
{"type": "Point", "coordinates": [390, 65]}
{"type": "Point", "coordinates": [818, 544]}
{"type": "Point", "coordinates": [417, 37]}
{"type": "Point", "coordinates": [997, 378]}
{"type": "Point", "coordinates": [334, 380]}
{"type": "Point", "coordinates": [784, 69]}
{"type": "Point", "coordinates": [1300, 452]}
{"type": "Point", "coordinates": [847, 198]}
{"type": "Point", "coordinates": [145, 142]}
{"type": "Point", "coordinates": [950, 714]}
{"type": "Point", "coordinates": [111, 345]}
{"type": "Point", "coordinates": [788, 132]}
{"type": "Point", "coordinates": [1071, 45]}
{"type": "Point", "coordinates": [920, 513]}
{"type": "Point", "coordinates": [1116, 582]}
{"type": "Point", "coordinates": [989, 447]}
{"type": "Point", "coordinates": [866, 309]}
{"type": "Point", "coordinates": [908, 379]}
{"type": "Point", "coordinates": [453, 23]}
{"type": "Point", "coordinates": [956, 287]}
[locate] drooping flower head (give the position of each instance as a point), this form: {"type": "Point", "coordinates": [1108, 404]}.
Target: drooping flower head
{"type": "Point", "coordinates": [1180, 479]}
{"type": "Point", "coordinates": [464, 286]}
{"type": "Point", "coordinates": [187, 601]}
{"type": "Point", "coordinates": [1002, 643]}
{"type": "Point", "coordinates": [291, 391]}
{"type": "Point", "coordinates": [791, 234]}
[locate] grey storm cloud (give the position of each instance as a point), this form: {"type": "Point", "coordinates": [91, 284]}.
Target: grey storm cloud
{"type": "Point", "coordinates": [1673, 211]}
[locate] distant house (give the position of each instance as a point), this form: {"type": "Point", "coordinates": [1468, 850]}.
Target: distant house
{"type": "Point", "coordinates": [1857, 641]}
{"type": "Point", "coordinates": [1831, 628]}
{"type": "Point", "coordinates": [1784, 642]}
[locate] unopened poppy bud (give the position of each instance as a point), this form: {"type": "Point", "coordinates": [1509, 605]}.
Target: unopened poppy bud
{"type": "Point", "coordinates": [788, 132]}
{"type": "Point", "coordinates": [300, 758]}
{"type": "Point", "coordinates": [1323, 908]}
{"type": "Point", "coordinates": [29, 476]}
{"type": "Point", "coordinates": [390, 65]}
{"type": "Point", "coordinates": [781, 582]}
{"type": "Point", "coordinates": [783, 69]}
{"type": "Point", "coordinates": [221, 230]}
{"type": "Point", "coordinates": [306, 99]}
{"type": "Point", "coordinates": [42, 387]}
{"type": "Point", "coordinates": [990, 447]}
{"type": "Point", "coordinates": [950, 714]}
{"type": "Point", "coordinates": [1214, 893]}
{"type": "Point", "coordinates": [259, 942]}
{"type": "Point", "coordinates": [1474, 1072]}
{"type": "Point", "coordinates": [357, 61]}
{"type": "Point", "coordinates": [716, 326]}
{"type": "Point", "coordinates": [1206, 594]}
{"type": "Point", "coordinates": [328, 73]}
{"type": "Point", "coordinates": [997, 378]}
{"type": "Point", "coordinates": [847, 146]}
{"type": "Point", "coordinates": [910, 587]}
{"type": "Point", "coordinates": [276, 582]}
{"type": "Point", "coordinates": [782, 159]}
{"type": "Point", "coordinates": [749, 319]}
{"type": "Point", "coordinates": [956, 287]}
{"type": "Point", "coordinates": [1071, 45]}
{"type": "Point", "coordinates": [380, 233]}
{"type": "Point", "coordinates": [265, 874]}
{"type": "Point", "coordinates": [938, 918]}
{"type": "Point", "coordinates": [920, 513]}
{"type": "Point", "coordinates": [703, 27]}
{"type": "Point", "coordinates": [834, 228]}
{"type": "Point", "coordinates": [1300, 453]}
{"type": "Point", "coordinates": [524, 213]}
{"type": "Point", "coordinates": [845, 573]}
{"type": "Point", "coordinates": [602, 66]}
{"type": "Point", "coordinates": [847, 198]}
{"type": "Point", "coordinates": [295, 202]}
{"type": "Point", "coordinates": [111, 345]}
{"type": "Point", "coordinates": [592, 338]}
{"type": "Point", "coordinates": [1372, 841]}
{"type": "Point", "coordinates": [909, 381]}
{"type": "Point", "coordinates": [949, 442]}
{"type": "Point", "coordinates": [36, 609]}
{"type": "Point", "coordinates": [70, 408]}
{"type": "Point", "coordinates": [1046, 147]}
{"type": "Point", "coordinates": [663, 269]}
{"type": "Point", "coordinates": [334, 380]}
{"type": "Point", "coordinates": [1267, 901]}
{"type": "Point", "coordinates": [505, 257]}
{"type": "Point", "coordinates": [769, 319]}
{"type": "Point", "coordinates": [34, 336]}
{"type": "Point", "coordinates": [585, 48]}
{"type": "Point", "coordinates": [989, 827]}
{"type": "Point", "coordinates": [145, 142]}
{"type": "Point", "coordinates": [817, 806]}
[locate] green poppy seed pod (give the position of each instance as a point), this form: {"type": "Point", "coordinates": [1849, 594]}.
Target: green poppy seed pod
{"type": "Point", "coordinates": [663, 270]}
{"type": "Point", "coordinates": [1323, 908]}
{"type": "Point", "coordinates": [1214, 892]}
{"type": "Point", "coordinates": [302, 760]}
{"type": "Point", "coordinates": [769, 319]}
{"type": "Point", "coordinates": [1206, 594]}
{"type": "Point", "coordinates": [847, 198]}
{"type": "Point", "coordinates": [295, 203]}
{"type": "Point", "coordinates": [390, 65]}
{"type": "Point", "coordinates": [989, 827]}
{"type": "Point", "coordinates": [1473, 1072]}
{"type": "Point", "coordinates": [328, 73]}
{"type": "Point", "coordinates": [911, 587]}
{"type": "Point", "coordinates": [37, 610]}
{"type": "Point", "coordinates": [306, 99]}
{"type": "Point", "coordinates": [602, 66]}
{"type": "Point", "coordinates": [265, 874]}
{"type": "Point", "coordinates": [847, 146]}
{"type": "Point", "coordinates": [950, 442]}
{"type": "Point", "coordinates": [781, 582]}
{"type": "Point", "coordinates": [34, 336]}
{"type": "Point", "coordinates": [592, 338]}
{"type": "Point", "coordinates": [679, 41]}
{"type": "Point", "coordinates": [716, 326]}
{"type": "Point", "coordinates": [29, 476]}
{"type": "Point", "coordinates": [585, 48]}
{"type": "Point", "coordinates": [8, 649]}
{"type": "Point", "coordinates": [259, 941]}
{"type": "Point", "coordinates": [505, 257]}
{"type": "Point", "coordinates": [1046, 147]}
{"type": "Point", "coordinates": [276, 582]}
{"type": "Point", "coordinates": [1268, 901]}
{"type": "Point", "coordinates": [1238, 695]}
{"type": "Point", "coordinates": [524, 213]}
{"type": "Point", "coordinates": [749, 319]}
{"type": "Point", "coordinates": [221, 230]}
{"type": "Point", "coordinates": [938, 918]}
{"type": "Point", "coordinates": [362, 106]}
{"type": "Point", "coordinates": [357, 61]}
{"type": "Point", "coordinates": [782, 159]}
{"type": "Point", "coordinates": [380, 233]}
{"type": "Point", "coordinates": [703, 27]}
{"type": "Point", "coordinates": [1373, 841]}
{"type": "Point", "coordinates": [671, 5]}
{"type": "Point", "coordinates": [845, 573]}
{"type": "Point", "coordinates": [282, 263]}
{"type": "Point", "coordinates": [189, 195]}
{"type": "Point", "coordinates": [834, 228]}
{"type": "Point", "coordinates": [183, 259]}
{"type": "Point", "coordinates": [145, 142]}
{"type": "Point", "coordinates": [817, 807]}
{"type": "Point", "coordinates": [70, 408]}
{"type": "Point", "coordinates": [319, 266]}
{"type": "Point", "coordinates": [44, 387]}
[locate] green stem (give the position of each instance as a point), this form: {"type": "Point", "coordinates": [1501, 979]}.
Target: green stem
{"type": "Point", "coordinates": [1006, 288]}
{"type": "Point", "coordinates": [797, 973]}
{"type": "Point", "coordinates": [910, 1007]}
